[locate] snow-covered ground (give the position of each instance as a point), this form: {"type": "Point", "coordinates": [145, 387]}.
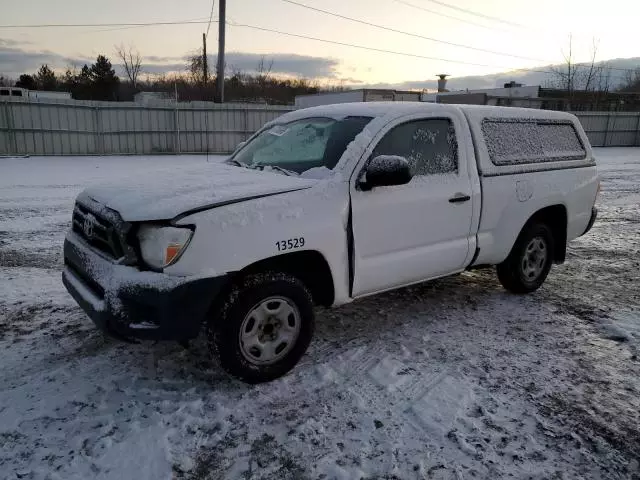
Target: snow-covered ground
{"type": "Point", "coordinates": [453, 379]}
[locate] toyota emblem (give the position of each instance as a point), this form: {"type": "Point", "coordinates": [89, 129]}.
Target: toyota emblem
{"type": "Point", "coordinates": [87, 226]}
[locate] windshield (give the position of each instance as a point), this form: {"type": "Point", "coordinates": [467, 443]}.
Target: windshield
{"type": "Point", "coordinates": [301, 145]}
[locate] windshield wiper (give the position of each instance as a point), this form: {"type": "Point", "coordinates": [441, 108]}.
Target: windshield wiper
{"type": "Point", "coordinates": [231, 161]}
{"type": "Point", "coordinates": [290, 173]}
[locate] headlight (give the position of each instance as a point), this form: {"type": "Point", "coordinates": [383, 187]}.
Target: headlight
{"type": "Point", "coordinates": [161, 246]}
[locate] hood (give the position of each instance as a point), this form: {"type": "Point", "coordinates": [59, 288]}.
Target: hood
{"type": "Point", "coordinates": [165, 194]}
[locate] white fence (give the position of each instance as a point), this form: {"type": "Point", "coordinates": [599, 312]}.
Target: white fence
{"type": "Point", "coordinates": [611, 129]}
{"type": "Point", "coordinates": [103, 128]}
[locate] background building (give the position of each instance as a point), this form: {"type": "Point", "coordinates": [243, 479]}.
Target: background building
{"type": "Point", "coordinates": [361, 95]}
{"type": "Point", "coordinates": [17, 92]}
{"type": "Point", "coordinates": [512, 94]}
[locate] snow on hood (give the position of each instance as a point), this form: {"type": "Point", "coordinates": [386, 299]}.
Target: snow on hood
{"type": "Point", "coordinates": [164, 194]}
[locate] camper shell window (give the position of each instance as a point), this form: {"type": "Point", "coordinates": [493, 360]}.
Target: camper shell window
{"type": "Point", "coordinates": [526, 141]}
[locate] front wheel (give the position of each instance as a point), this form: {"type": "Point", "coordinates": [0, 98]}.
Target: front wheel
{"type": "Point", "coordinates": [263, 327]}
{"type": "Point", "coordinates": [528, 264]}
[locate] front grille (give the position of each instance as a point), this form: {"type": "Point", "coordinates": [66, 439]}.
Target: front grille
{"type": "Point", "coordinates": [95, 287]}
{"type": "Point", "coordinates": [97, 231]}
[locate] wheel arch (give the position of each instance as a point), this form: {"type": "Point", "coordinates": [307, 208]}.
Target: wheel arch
{"type": "Point", "coordinates": [555, 217]}
{"type": "Point", "coordinates": [309, 266]}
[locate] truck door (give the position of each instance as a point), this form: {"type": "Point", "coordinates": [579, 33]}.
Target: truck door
{"type": "Point", "coordinates": [407, 233]}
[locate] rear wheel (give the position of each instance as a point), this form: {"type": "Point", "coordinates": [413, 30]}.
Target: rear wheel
{"type": "Point", "coordinates": [263, 327]}
{"type": "Point", "coordinates": [528, 264]}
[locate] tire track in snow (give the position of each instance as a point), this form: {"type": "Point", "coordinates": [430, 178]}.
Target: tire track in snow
{"type": "Point", "coordinates": [428, 397]}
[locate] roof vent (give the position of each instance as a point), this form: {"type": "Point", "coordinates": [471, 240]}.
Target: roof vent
{"type": "Point", "coordinates": [442, 83]}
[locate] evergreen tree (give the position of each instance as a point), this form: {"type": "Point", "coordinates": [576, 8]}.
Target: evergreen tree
{"type": "Point", "coordinates": [104, 82]}
{"type": "Point", "coordinates": [46, 79]}
{"type": "Point", "coordinates": [26, 81]}
{"type": "Point", "coordinates": [69, 82]}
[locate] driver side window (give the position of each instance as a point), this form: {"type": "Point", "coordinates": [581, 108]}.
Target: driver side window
{"type": "Point", "coordinates": [430, 146]}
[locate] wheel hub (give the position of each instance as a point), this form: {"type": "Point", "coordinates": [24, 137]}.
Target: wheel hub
{"type": "Point", "coordinates": [269, 331]}
{"type": "Point", "coordinates": [534, 259]}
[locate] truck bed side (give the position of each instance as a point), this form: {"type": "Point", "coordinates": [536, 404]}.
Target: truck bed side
{"type": "Point", "coordinates": [512, 194]}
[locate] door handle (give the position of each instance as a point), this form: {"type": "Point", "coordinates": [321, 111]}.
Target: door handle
{"type": "Point", "coordinates": [459, 198]}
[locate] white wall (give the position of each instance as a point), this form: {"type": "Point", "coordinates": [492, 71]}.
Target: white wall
{"type": "Point", "coordinates": [47, 95]}
{"type": "Point", "coordinates": [364, 95]}
{"type": "Point", "coordinates": [306, 101]}
{"type": "Point", "coordinates": [515, 92]}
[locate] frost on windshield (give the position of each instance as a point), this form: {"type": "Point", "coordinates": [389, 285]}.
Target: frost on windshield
{"type": "Point", "coordinates": [301, 145]}
{"type": "Point", "coordinates": [430, 146]}
{"type": "Point", "coordinates": [512, 142]}
{"type": "Point", "coordinates": [303, 142]}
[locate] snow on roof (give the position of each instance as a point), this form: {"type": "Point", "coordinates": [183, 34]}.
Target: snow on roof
{"type": "Point", "coordinates": [365, 109]}
{"type": "Point", "coordinates": [480, 112]}
{"type": "Point", "coordinates": [398, 109]}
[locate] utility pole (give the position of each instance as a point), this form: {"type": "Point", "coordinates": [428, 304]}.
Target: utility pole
{"type": "Point", "coordinates": [222, 9]}
{"type": "Point", "coordinates": [205, 67]}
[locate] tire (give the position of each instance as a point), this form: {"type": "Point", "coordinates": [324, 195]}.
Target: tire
{"type": "Point", "coordinates": [262, 327]}
{"type": "Point", "coordinates": [528, 264]}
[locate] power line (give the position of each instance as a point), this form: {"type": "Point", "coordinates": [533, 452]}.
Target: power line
{"type": "Point", "coordinates": [213, 2]}
{"type": "Point", "coordinates": [294, 35]}
{"type": "Point", "coordinates": [201, 19]}
{"type": "Point", "coordinates": [404, 2]}
{"type": "Point", "coordinates": [72, 25]}
{"type": "Point", "coordinates": [415, 35]}
{"type": "Point", "coordinates": [510, 31]}
{"type": "Point", "coordinates": [478, 14]}
{"type": "Point", "coordinates": [404, 54]}
{"type": "Point", "coordinates": [433, 12]}
{"type": "Point", "coordinates": [363, 47]}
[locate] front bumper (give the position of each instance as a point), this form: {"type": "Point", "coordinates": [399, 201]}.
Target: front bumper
{"type": "Point", "coordinates": [127, 303]}
{"type": "Point", "coordinates": [594, 214]}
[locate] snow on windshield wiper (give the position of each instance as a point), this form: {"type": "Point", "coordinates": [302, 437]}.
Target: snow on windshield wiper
{"type": "Point", "coordinates": [237, 163]}
{"type": "Point", "coordinates": [291, 173]}
{"type": "Point", "coordinates": [262, 167]}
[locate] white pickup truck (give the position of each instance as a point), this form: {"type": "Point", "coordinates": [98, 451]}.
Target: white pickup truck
{"type": "Point", "coordinates": [323, 206]}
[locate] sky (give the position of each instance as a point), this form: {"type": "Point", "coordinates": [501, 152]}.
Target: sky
{"type": "Point", "coordinates": [526, 34]}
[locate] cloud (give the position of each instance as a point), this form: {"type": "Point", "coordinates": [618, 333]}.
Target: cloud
{"type": "Point", "coordinates": [280, 64]}
{"type": "Point", "coordinates": [7, 42]}
{"type": "Point", "coordinates": [284, 63]}
{"type": "Point", "coordinates": [526, 77]}
{"type": "Point", "coordinates": [160, 59]}
{"type": "Point", "coordinates": [15, 61]}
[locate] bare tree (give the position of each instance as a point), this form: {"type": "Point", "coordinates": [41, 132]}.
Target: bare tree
{"type": "Point", "coordinates": [592, 71]}
{"type": "Point", "coordinates": [603, 80]}
{"type": "Point", "coordinates": [132, 62]}
{"type": "Point", "coordinates": [263, 73]}
{"type": "Point", "coordinates": [586, 83]}
{"type": "Point", "coordinates": [195, 67]}
{"type": "Point", "coordinates": [631, 81]}
{"type": "Point", "coordinates": [564, 78]}
{"type": "Point", "coordinates": [591, 76]}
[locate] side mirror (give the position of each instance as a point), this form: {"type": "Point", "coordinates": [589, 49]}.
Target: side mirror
{"type": "Point", "coordinates": [386, 170]}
